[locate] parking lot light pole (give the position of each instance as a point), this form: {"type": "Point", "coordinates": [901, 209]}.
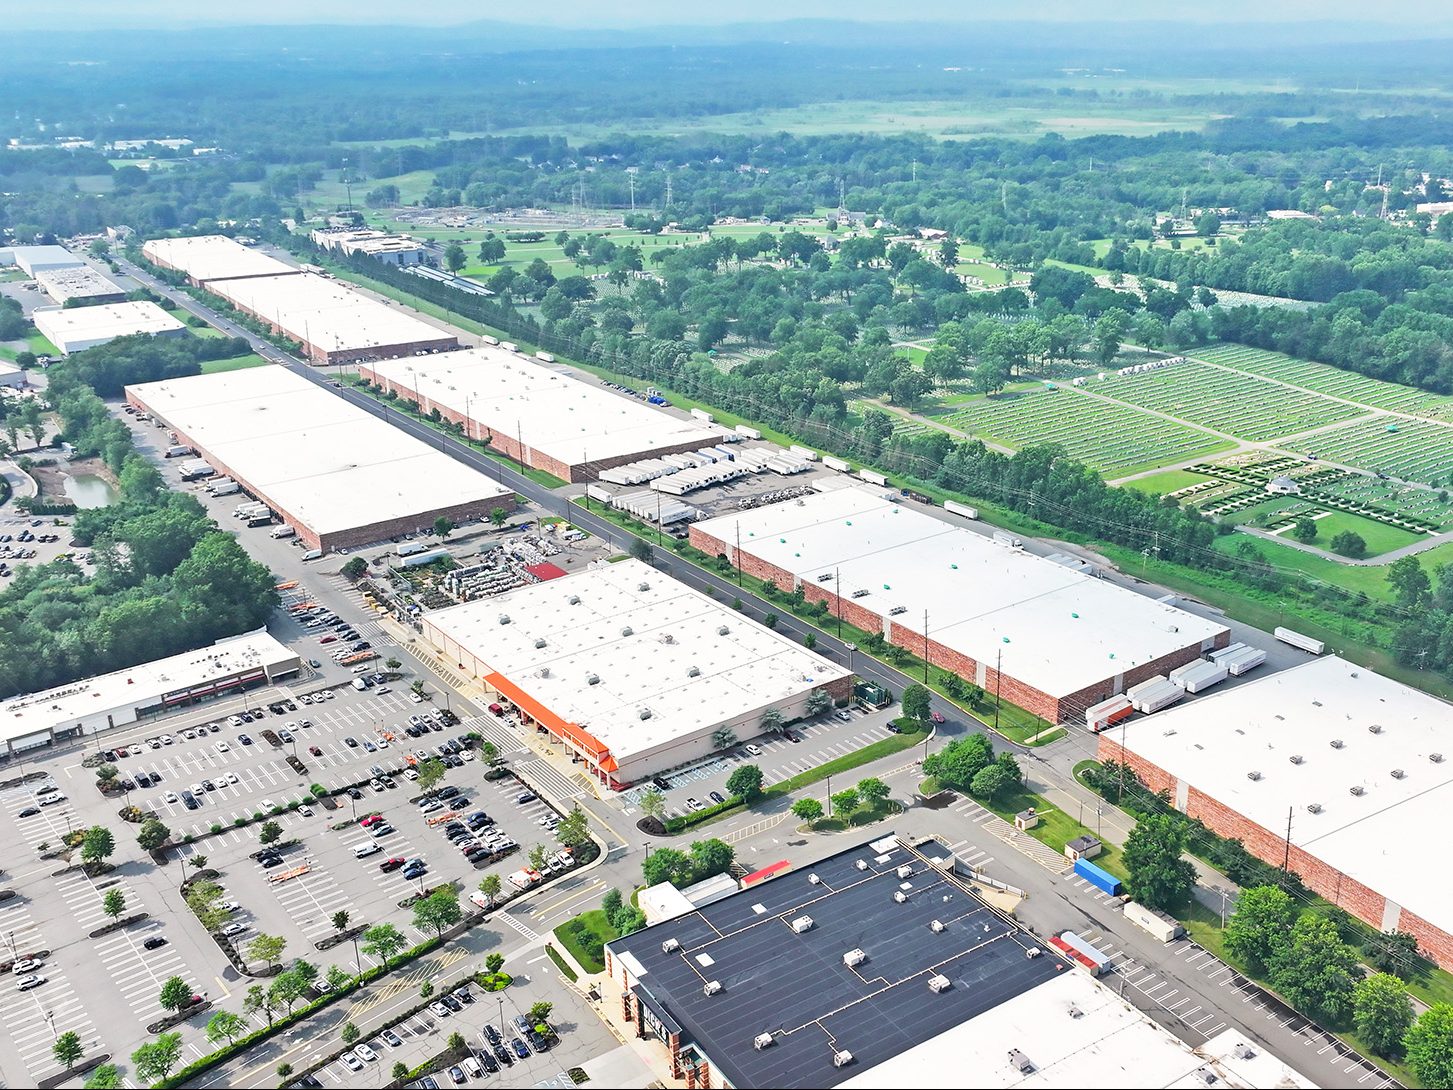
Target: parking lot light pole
{"type": "Point", "coordinates": [502, 1016]}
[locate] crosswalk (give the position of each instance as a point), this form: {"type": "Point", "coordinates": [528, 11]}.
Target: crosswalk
{"type": "Point", "coordinates": [522, 928]}
{"type": "Point", "coordinates": [1022, 842]}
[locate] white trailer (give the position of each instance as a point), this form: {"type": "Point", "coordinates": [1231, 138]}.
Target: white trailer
{"type": "Point", "coordinates": [837, 464]}
{"type": "Point", "coordinates": [1244, 661]}
{"type": "Point", "coordinates": [748, 433]}
{"type": "Point", "coordinates": [1107, 713]}
{"type": "Point", "coordinates": [873, 478]}
{"type": "Point", "coordinates": [224, 487]}
{"type": "Point", "coordinates": [409, 548]}
{"type": "Point", "coordinates": [1153, 695]}
{"type": "Point", "coordinates": [1003, 537]}
{"type": "Point", "coordinates": [1227, 651]}
{"type": "Point", "coordinates": [804, 452]}
{"type": "Point", "coordinates": [1297, 639]}
{"type": "Point", "coordinates": [544, 357]}
{"type": "Point", "coordinates": [1155, 923]}
{"type": "Point", "coordinates": [961, 509]}
{"type": "Point", "coordinates": [702, 414]}
{"type": "Point", "coordinates": [1198, 676]}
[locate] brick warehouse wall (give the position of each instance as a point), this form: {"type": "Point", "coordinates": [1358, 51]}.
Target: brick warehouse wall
{"type": "Point", "coordinates": [441, 343]}
{"type": "Point", "coordinates": [509, 443]}
{"type": "Point", "coordinates": [364, 534]}
{"type": "Point", "coordinates": [1336, 886]}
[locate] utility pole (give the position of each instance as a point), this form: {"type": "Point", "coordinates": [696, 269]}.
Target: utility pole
{"type": "Point", "coordinates": [925, 647]}
{"type": "Point", "coordinates": [739, 555]}
{"type": "Point", "coordinates": [837, 590]}
{"type": "Point", "coordinates": [1286, 861]}
{"type": "Point", "coordinates": [631, 178]}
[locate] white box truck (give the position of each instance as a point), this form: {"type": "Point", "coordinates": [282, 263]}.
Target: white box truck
{"type": "Point", "coordinates": [224, 488]}
{"type": "Point", "coordinates": [409, 548]}
{"type": "Point", "coordinates": [961, 509]}
{"type": "Point", "coordinates": [1003, 537]}
{"type": "Point", "coordinates": [284, 531]}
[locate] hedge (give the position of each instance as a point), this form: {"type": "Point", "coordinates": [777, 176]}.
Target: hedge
{"type": "Point", "coordinates": [686, 821]}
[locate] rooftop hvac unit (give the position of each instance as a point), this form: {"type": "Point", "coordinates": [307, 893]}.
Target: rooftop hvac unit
{"type": "Point", "coordinates": [859, 594]}
{"type": "Point", "coordinates": [1020, 1061]}
{"type": "Point", "coordinates": [723, 630]}
{"type": "Point", "coordinates": [1032, 953]}
{"type": "Point", "coordinates": [1075, 1012]}
{"type": "Point", "coordinates": [861, 864]}
{"type": "Point", "coordinates": [761, 1041]}
{"type": "Point", "coordinates": [842, 1058]}
{"type": "Point", "coordinates": [905, 871]}
{"type": "Point", "coordinates": [628, 631]}
{"type": "Point", "coordinates": [1337, 743]}
{"type": "Point", "coordinates": [540, 642]}
{"type": "Point", "coordinates": [544, 671]}
{"type": "Point", "coordinates": [1398, 773]}
{"type": "Point", "coordinates": [1374, 728]}
{"type": "Point", "coordinates": [854, 957]}
{"type": "Point", "coordinates": [1436, 758]}
{"type": "Point", "coordinates": [937, 926]}
{"type": "Point", "coordinates": [1296, 758]}
{"type": "Point", "coordinates": [1244, 1052]}
{"type": "Point", "coordinates": [695, 671]}
{"type": "Point", "coordinates": [939, 983]}
{"type": "Point", "coordinates": [900, 896]}
{"type": "Point", "coordinates": [897, 610]}
{"type": "Point", "coordinates": [668, 638]}
{"type": "Point", "coordinates": [643, 586]}
{"type": "Point", "coordinates": [802, 924]}
{"type": "Point", "coordinates": [645, 713]}
{"type": "Point", "coordinates": [504, 618]}
{"type": "Point", "coordinates": [1357, 789]}
{"type": "Point", "coordinates": [825, 578]}
{"type": "Point", "coordinates": [1314, 807]}
{"type": "Point", "coordinates": [711, 987]}
{"type": "Point", "coordinates": [670, 946]}
{"type": "Point", "coordinates": [814, 879]}
{"type": "Point", "coordinates": [573, 600]}
{"type": "Point", "coordinates": [1206, 1077]}
{"type": "Point", "coordinates": [592, 679]}
{"type": "Point", "coordinates": [1253, 775]}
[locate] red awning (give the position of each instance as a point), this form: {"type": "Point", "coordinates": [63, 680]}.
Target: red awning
{"type": "Point", "coordinates": [545, 571]}
{"type": "Point", "coordinates": [571, 732]}
{"type": "Point", "coordinates": [765, 873]}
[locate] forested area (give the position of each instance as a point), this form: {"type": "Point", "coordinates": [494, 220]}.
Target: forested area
{"type": "Point", "coordinates": [166, 578]}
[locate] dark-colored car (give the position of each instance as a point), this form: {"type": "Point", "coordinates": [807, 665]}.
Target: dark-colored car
{"type": "Point", "coordinates": [354, 793]}
{"type": "Point", "coordinates": [270, 861]}
{"type": "Point", "coordinates": [487, 1061]}
{"type": "Point", "coordinates": [244, 739]}
{"type": "Point", "coordinates": [448, 792]}
{"type": "Point", "coordinates": [717, 796]}
{"type": "Point", "coordinates": [457, 1074]}
{"type": "Point", "coordinates": [504, 1056]}
{"type": "Point", "coordinates": [464, 995]}
{"type": "Point", "coordinates": [351, 742]}
{"type": "Point", "coordinates": [493, 1035]}
{"type": "Point", "coordinates": [452, 1003]}
{"type": "Point", "coordinates": [538, 1041]}
{"type": "Point", "coordinates": [522, 1050]}
{"type": "Point", "coordinates": [156, 942]}
{"type": "Point", "coordinates": [30, 811]}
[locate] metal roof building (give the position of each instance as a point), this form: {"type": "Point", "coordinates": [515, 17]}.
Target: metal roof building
{"type": "Point", "coordinates": [81, 283]}
{"type": "Point", "coordinates": [74, 329]}
{"type": "Point", "coordinates": [1053, 639]}
{"type": "Point", "coordinates": [333, 322]}
{"type": "Point", "coordinates": [629, 668]}
{"type": "Point", "coordinates": [125, 696]}
{"type": "Point", "coordinates": [34, 259]}
{"type": "Point", "coordinates": [204, 258]}
{"type": "Point", "coordinates": [567, 427]}
{"type": "Point", "coordinates": [338, 475]}
{"type": "Point", "coordinates": [1361, 764]}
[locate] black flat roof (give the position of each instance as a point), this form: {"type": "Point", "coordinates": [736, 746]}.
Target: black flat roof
{"type": "Point", "coordinates": [797, 986]}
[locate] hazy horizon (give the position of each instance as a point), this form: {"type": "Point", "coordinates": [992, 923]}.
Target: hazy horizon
{"type": "Point", "coordinates": [82, 15]}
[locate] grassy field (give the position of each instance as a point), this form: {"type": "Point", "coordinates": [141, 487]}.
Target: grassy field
{"type": "Point", "coordinates": [596, 923]}
{"type": "Point", "coordinates": [1412, 450]}
{"type": "Point", "coordinates": [520, 254]}
{"type": "Point", "coordinates": [331, 192]}
{"type": "Point", "coordinates": [237, 363]}
{"type": "Point", "coordinates": [1380, 537]}
{"type": "Point", "coordinates": [1160, 483]}
{"type": "Point", "coordinates": [1326, 379]}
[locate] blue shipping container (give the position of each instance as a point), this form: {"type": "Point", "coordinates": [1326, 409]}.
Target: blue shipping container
{"type": "Point", "coordinates": [1098, 877]}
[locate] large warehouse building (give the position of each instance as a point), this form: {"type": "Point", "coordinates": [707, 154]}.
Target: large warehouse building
{"type": "Point", "coordinates": [1047, 637]}
{"type": "Point", "coordinates": [630, 669]}
{"type": "Point", "coordinates": [1362, 766]}
{"type": "Point", "coordinates": [204, 258]}
{"type": "Point", "coordinates": [881, 966]}
{"type": "Point", "coordinates": [74, 329]}
{"type": "Point", "coordinates": [80, 283]}
{"type": "Point", "coordinates": [128, 696]}
{"type": "Point", "coordinates": [333, 323]}
{"type": "Point", "coordinates": [339, 476]}
{"type": "Point", "coordinates": [566, 427]}
{"type": "Point", "coordinates": [35, 259]}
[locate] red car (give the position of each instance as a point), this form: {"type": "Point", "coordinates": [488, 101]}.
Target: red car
{"type": "Point", "coordinates": [390, 865]}
{"type": "Point", "coordinates": [937, 717]}
{"type": "Point", "coordinates": [328, 639]}
{"type": "Point", "coordinates": [372, 819]}
{"type": "Point", "coordinates": [315, 751]}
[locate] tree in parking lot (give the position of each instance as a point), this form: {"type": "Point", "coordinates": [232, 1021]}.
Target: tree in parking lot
{"type": "Point", "coordinates": [153, 1062]}
{"type": "Point", "coordinates": [417, 688]}
{"type": "Point", "coordinates": [490, 886]}
{"type": "Point", "coordinates": [426, 989]}
{"type": "Point", "coordinates": [383, 941]}
{"type": "Point", "coordinates": [844, 802]}
{"type": "Point", "coordinates": [266, 948]}
{"type": "Point", "coordinates": [198, 863]}
{"type": "Point", "coordinates": [574, 828]}
{"type": "Point", "coordinates": [105, 1077]}
{"type": "Point", "coordinates": [807, 809]}
{"type": "Point", "coordinates": [1315, 970]}
{"type": "Point", "coordinates": [152, 835]}
{"type": "Point", "coordinates": [256, 1001]}
{"type": "Point", "coordinates": [455, 1043]}
{"type": "Point", "coordinates": [538, 854]}
{"type": "Point", "coordinates": [652, 803]}
{"type": "Point", "coordinates": [958, 762]}
{"type": "Point", "coordinates": [746, 781]}
{"type": "Point", "coordinates": [431, 774]}
{"type": "Point", "coordinates": [224, 1024]}
{"type": "Point", "coordinates": [916, 701]}
{"type": "Point", "coordinates": [349, 1034]}
{"type": "Point", "coordinates": [540, 1014]}
{"type": "Point", "coordinates": [176, 993]}
{"type": "Point", "coordinates": [392, 664]}
{"type": "Point", "coordinates": [202, 899]}
{"type": "Point", "coordinates": [285, 989]}
{"type": "Point", "coordinates": [336, 977]}
{"type": "Point", "coordinates": [1160, 875]}
{"type": "Point", "coordinates": [107, 773]}
{"type": "Point", "coordinates": [499, 516]}
{"type": "Point", "coordinates": [494, 962]}
{"type": "Point", "coordinates": [443, 527]}
{"type": "Point", "coordinates": [1260, 924]}
{"type": "Point", "coordinates": [667, 865]}
{"type": "Point", "coordinates": [440, 910]}
{"type": "Point", "coordinates": [872, 790]}
{"type": "Point", "coordinates": [400, 1071]}
{"type": "Point", "coordinates": [339, 920]}
{"type": "Point", "coordinates": [355, 569]}
{"type": "Point", "coordinates": [113, 903]}
{"type": "Point", "coordinates": [271, 830]}
{"type": "Point", "coordinates": [709, 857]}
{"type": "Point", "coordinates": [67, 1049]}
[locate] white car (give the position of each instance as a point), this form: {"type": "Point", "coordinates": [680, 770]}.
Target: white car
{"type": "Point", "coordinates": [167, 739]}
{"type": "Point", "coordinates": [382, 743]}
{"type": "Point", "coordinates": [234, 720]}
{"type": "Point", "coordinates": [326, 694]}
{"type": "Point", "coordinates": [753, 749]}
{"type": "Point", "coordinates": [26, 965]}
{"type": "Point", "coordinates": [415, 698]}
{"type": "Point", "coordinates": [306, 811]}
{"type": "Point", "coordinates": [232, 777]}
{"type": "Point", "coordinates": [367, 1053]}
{"type": "Point", "coordinates": [305, 699]}
{"type": "Point", "coordinates": [410, 774]}
{"type": "Point", "coordinates": [230, 906]}
{"type": "Point", "coordinates": [51, 800]}
{"type": "Point", "coordinates": [352, 1062]}
{"type": "Point", "coordinates": [171, 797]}
{"type": "Point", "coordinates": [234, 929]}
{"type": "Point", "coordinates": [197, 789]}
{"type": "Point", "coordinates": [223, 747]}
{"type": "Point", "coordinates": [135, 751]}
{"type": "Point", "coordinates": [266, 805]}
{"type": "Point", "coordinates": [25, 983]}
{"type": "Point", "coordinates": [467, 754]}
{"type": "Point", "coordinates": [189, 735]}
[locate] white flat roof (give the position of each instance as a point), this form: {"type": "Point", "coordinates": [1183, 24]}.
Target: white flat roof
{"type": "Point", "coordinates": [327, 463]}
{"type": "Point", "coordinates": [84, 327]}
{"type": "Point", "coordinates": [673, 629]}
{"type": "Point", "coordinates": [140, 686]}
{"type": "Point", "coordinates": [75, 282]}
{"type": "Point", "coordinates": [570, 420]}
{"type": "Point", "coordinates": [213, 257]}
{"type": "Point", "coordinates": [1056, 629]}
{"type": "Point", "coordinates": [1108, 1043]}
{"type": "Point", "coordinates": [326, 314]}
{"type": "Point", "coordinates": [35, 258]}
{"type": "Point", "coordinates": [1215, 744]}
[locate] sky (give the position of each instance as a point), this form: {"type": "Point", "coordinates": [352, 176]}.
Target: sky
{"type": "Point", "coordinates": [98, 14]}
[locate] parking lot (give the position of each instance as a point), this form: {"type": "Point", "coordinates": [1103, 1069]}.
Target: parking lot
{"type": "Point", "coordinates": [26, 540]}
{"type": "Point", "coordinates": [365, 871]}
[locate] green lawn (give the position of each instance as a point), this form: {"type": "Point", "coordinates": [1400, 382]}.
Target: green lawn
{"type": "Point", "coordinates": [1056, 828]}
{"type": "Point", "coordinates": [1160, 483]}
{"type": "Point", "coordinates": [236, 363]}
{"type": "Point", "coordinates": [597, 924]}
{"type": "Point", "coordinates": [1380, 537]}
{"type": "Point", "coordinates": [41, 346]}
